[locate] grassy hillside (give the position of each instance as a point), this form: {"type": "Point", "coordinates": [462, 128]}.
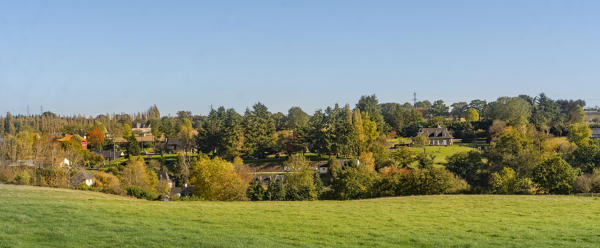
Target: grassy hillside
{"type": "Point", "coordinates": [44, 217]}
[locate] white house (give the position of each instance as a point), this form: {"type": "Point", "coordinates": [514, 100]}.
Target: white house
{"type": "Point", "coordinates": [82, 177]}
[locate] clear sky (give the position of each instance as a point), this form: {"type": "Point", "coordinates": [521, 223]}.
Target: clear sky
{"type": "Point", "coordinates": [96, 57]}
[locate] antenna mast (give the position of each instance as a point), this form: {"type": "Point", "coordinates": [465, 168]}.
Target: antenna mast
{"type": "Point", "coordinates": [414, 99]}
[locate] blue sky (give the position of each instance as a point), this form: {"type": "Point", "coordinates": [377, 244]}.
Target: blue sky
{"type": "Point", "coordinates": [96, 57]}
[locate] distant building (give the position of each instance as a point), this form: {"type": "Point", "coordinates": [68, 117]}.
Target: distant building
{"type": "Point", "coordinates": [324, 168]}
{"type": "Point", "coordinates": [184, 191]}
{"type": "Point", "coordinates": [596, 133]}
{"type": "Point", "coordinates": [142, 133]}
{"type": "Point", "coordinates": [82, 177]}
{"type": "Point", "coordinates": [110, 154]}
{"type": "Point", "coordinates": [174, 145]}
{"type": "Point", "coordinates": [164, 176]}
{"type": "Point", "coordinates": [438, 136]}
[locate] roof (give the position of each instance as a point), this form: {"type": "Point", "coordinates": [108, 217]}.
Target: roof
{"type": "Point", "coordinates": [174, 141]}
{"type": "Point", "coordinates": [163, 175]}
{"type": "Point", "coordinates": [435, 132]}
{"type": "Point", "coordinates": [110, 154]}
{"type": "Point", "coordinates": [68, 138]}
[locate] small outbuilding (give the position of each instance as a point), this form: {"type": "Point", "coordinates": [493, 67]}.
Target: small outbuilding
{"type": "Point", "coordinates": [82, 177]}
{"type": "Point", "coordinates": [323, 168]}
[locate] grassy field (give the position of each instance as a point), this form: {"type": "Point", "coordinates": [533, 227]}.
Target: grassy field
{"type": "Point", "coordinates": [45, 217]}
{"type": "Point", "coordinates": [443, 152]}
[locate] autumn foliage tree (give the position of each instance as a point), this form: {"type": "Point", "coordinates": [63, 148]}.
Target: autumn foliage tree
{"type": "Point", "coordinates": [138, 180]}
{"type": "Point", "coordinates": [96, 138]}
{"type": "Point", "coordinates": [216, 179]}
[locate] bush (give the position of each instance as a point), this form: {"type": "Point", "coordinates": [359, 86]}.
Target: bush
{"type": "Point", "coordinates": [299, 182]}
{"type": "Point", "coordinates": [256, 192]}
{"type": "Point", "coordinates": [275, 191]}
{"type": "Point", "coordinates": [52, 176]}
{"type": "Point", "coordinates": [583, 184]}
{"type": "Point", "coordinates": [587, 183]}
{"type": "Point", "coordinates": [469, 166]}
{"type": "Point", "coordinates": [505, 181]}
{"type": "Point", "coordinates": [22, 177]}
{"type": "Point", "coordinates": [555, 175]}
{"type": "Point", "coordinates": [458, 186]}
{"type": "Point", "coordinates": [425, 160]}
{"type": "Point", "coordinates": [107, 183]}
{"type": "Point", "coordinates": [354, 183]}
{"type": "Point", "coordinates": [426, 182]}
{"type": "Point", "coordinates": [7, 174]}
{"type": "Point", "coordinates": [141, 193]}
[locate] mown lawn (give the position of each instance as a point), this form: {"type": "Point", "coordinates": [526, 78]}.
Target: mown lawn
{"type": "Point", "coordinates": [44, 217]}
{"type": "Point", "coordinates": [441, 153]}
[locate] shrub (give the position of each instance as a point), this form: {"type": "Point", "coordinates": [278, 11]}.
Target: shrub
{"type": "Point", "coordinates": [458, 186]}
{"type": "Point", "coordinates": [7, 174]}
{"type": "Point", "coordinates": [583, 184]}
{"type": "Point", "coordinates": [256, 192]}
{"type": "Point", "coordinates": [425, 160]}
{"type": "Point", "coordinates": [387, 183]}
{"type": "Point", "coordinates": [84, 186]}
{"type": "Point", "coordinates": [22, 177]}
{"type": "Point", "coordinates": [469, 166]}
{"type": "Point", "coordinates": [334, 167]}
{"type": "Point", "coordinates": [141, 193]}
{"type": "Point", "coordinates": [299, 182]}
{"type": "Point", "coordinates": [426, 182]}
{"type": "Point", "coordinates": [52, 176]}
{"type": "Point", "coordinates": [275, 191]}
{"type": "Point", "coordinates": [107, 183]}
{"type": "Point", "coordinates": [137, 174]}
{"type": "Point", "coordinates": [588, 183]}
{"type": "Point", "coordinates": [354, 183]}
{"type": "Point", "coordinates": [555, 175]}
{"type": "Point", "coordinates": [505, 181]}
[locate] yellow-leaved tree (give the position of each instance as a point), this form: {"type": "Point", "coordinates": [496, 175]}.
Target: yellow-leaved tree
{"type": "Point", "coordinates": [216, 179]}
{"type": "Point", "coordinates": [138, 180]}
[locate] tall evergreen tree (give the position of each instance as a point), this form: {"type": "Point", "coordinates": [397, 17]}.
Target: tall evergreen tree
{"type": "Point", "coordinates": [259, 131]}
{"type": "Point", "coordinates": [370, 104]}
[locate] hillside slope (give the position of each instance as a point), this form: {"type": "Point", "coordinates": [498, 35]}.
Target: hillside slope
{"type": "Point", "coordinates": [44, 217]}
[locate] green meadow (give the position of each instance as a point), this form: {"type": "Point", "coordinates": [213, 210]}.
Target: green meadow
{"type": "Point", "coordinates": [47, 217]}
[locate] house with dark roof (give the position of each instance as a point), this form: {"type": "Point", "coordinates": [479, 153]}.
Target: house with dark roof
{"type": "Point", "coordinates": [438, 136]}
{"type": "Point", "coordinates": [110, 154]}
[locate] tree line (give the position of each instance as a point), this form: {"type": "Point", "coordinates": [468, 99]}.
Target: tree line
{"type": "Point", "coordinates": [532, 145]}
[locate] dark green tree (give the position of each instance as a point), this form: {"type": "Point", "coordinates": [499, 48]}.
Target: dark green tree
{"type": "Point", "coordinates": [256, 191]}
{"type": "Point", "coordinates": [297, 119]}
{"type": "Point", "coordinates": [469, 166]}
{"type": "Point", "coordinates": [555, 175]}
{"type": "Point", "coordinates": [275, 191]}
{"type": "Point", "coordinates": [133, 147]}
{"type": "Point", "coordinates": [259, 131]}
{"type": "Point", "coordinates": [370, 105]}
